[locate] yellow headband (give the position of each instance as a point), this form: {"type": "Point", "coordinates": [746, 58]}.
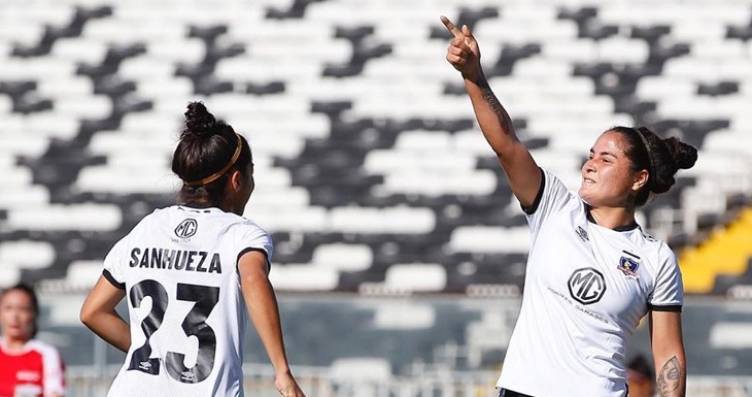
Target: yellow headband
{"type": "Point", "coordinates": [213, 177]}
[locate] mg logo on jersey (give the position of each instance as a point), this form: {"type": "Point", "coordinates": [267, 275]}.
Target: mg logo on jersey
{"type": "Point", "coordinates": [587, 285]}
{"type": "Point", "coordinates": [186, 228]}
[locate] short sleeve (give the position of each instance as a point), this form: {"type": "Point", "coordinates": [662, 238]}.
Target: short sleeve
{"type": "Point", "coordinates": [668, 291]}
{"type": "Point", "coordinates": [53, 370]}
{"type": "Point", "coordinates": [552, 197]}
{"type": "Point", "coordinates": [114, 264]}
{"type": "Point", "coordinates": [254, 238]}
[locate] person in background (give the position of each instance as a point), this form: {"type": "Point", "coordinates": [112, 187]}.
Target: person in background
{"type": "Point", "coordinates": [28, 367]}
{"type": "Point", "coordinates": [640, 377]}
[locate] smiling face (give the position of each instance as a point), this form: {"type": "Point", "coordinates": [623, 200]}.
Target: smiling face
{"type": "Point", "coordinates": [608, 179]}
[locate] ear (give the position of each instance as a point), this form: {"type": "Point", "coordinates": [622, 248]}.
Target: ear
{"type": "Point", "coordinates": [236, 180]}
{"type": "Point", "coordinates": [640, 180]}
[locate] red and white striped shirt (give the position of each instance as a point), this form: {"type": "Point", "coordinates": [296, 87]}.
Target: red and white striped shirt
{"type": "Point", "coordinates": [36, 371]}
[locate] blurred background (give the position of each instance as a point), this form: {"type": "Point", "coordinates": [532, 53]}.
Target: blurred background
{"type": "Point", "coordinates": [400, 251]}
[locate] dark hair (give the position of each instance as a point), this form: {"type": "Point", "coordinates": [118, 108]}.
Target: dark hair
{"type": "Point", "coordinates": [641, 365]}
{"type": "Point", "coordinates": [661, 157]}
{"type": "Point", "coordinates": [206, 147]}
{"type": "Point", "coordinates": [34, 302]}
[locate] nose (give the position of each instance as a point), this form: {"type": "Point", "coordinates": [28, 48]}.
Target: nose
{"type": "Point", "coordinates": [588, 167]}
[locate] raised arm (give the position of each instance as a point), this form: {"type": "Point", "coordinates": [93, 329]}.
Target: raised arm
{"type": "Point", "coordinates": [262, 306]}
{"type": "Point", "coordinates": [668, 353]}
{"type": "Point", "coordinates": [519, 166]}
{"type": "Point", "coordinates": [98, 313]}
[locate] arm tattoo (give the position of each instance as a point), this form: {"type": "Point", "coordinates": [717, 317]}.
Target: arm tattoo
{"type": "Point", "coordinates": [494, 103]}
{"type": "Point", "coordinates": [670, 377]}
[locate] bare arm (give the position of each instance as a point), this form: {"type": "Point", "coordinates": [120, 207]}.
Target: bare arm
{"type": "Point", "coordinates": [519, 166]}
{"type": "Point", "coordinates": [668, 353]}
{"type": "Point", "coordinates": [98, 313]}
{"type": "Point", "coordinates": [262, 307]}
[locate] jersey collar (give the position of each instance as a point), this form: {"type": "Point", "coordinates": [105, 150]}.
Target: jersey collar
{"type": "Point", "coordinates": [621, 228]}
{"type": "Point", "coordinates": [198, 208]}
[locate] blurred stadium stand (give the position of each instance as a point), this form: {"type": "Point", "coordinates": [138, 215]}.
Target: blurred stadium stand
{"type": "Point", "coordinates": [371, 173]}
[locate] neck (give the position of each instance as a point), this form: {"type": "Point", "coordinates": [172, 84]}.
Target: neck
{"type": "Point", "coordinates": [612, 217]}
{"type": "Point", "coordinates": [13, 344]}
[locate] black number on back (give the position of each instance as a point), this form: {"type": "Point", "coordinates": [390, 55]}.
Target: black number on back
{"type": "Point", "coordinates": [140, 360]}
{"type": "Point", "coordinates": [194, 324]}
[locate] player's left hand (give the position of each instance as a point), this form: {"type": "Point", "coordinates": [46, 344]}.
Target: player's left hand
{"type": "Point", "coordinates": [287, 386]}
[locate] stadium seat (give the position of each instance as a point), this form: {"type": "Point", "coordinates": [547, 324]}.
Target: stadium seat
{"type": "Point", "coordinates": [725, 253]}
{"type": "Point", "coordinates": [361, 132]}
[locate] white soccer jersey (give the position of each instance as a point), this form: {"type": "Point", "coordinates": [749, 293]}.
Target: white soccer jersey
{"type": "Point", "coordinates": [178, 267]}
{"type": "Point", "coordinates": [586, 289]}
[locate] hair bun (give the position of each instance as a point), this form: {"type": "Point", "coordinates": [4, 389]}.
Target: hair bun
{"type": "Point", "coordinates": [684, 155]}
{"type": "Point", "coordinates": [198, 121]}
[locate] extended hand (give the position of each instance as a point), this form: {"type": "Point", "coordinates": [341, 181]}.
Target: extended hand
{"type": "Point", "coordinates": [463, 52]}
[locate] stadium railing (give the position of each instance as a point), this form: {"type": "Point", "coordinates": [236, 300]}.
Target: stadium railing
{"type": "Point", "coordinates": [93, 381]}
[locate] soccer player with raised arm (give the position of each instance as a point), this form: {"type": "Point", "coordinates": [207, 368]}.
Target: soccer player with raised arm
{"type": "Point", "coordinates": [192, 273]}
{"type": "Point", "coordinates": [592, 272]}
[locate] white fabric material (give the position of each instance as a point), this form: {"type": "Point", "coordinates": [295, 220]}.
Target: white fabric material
{"type": "Point", "coordinates": [578, 306]}
{"type": "Point", "coordinates": [204, 314]}
{"type": "Point", "coordinates": [52, 366]}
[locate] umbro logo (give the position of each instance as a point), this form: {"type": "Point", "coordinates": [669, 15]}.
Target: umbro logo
{"type": "Point", "coordinates": [186, 228]}
{"type": "Point", "coordinates": [582, 234]}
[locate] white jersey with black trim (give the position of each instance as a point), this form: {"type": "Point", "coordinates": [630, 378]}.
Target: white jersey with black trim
{"type": "Point", "coordinates": [586, 289]}
{"type": "Point", "coordinates": [178, 268]}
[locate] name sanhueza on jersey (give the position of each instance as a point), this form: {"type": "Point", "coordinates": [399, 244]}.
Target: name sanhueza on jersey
{"type": "Point", "coordinates": [172, 259]}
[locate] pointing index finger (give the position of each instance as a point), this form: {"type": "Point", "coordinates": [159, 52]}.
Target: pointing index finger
{"type": "Point", "coordinates": [452, 28]}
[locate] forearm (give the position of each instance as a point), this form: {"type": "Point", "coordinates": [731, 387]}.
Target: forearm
{"type": "Point", "coordinates": [265, 315]}
{"type": "Point", "coordinates": [671, 376]}
{"type": "Point", "coordinates": [493, 119]}
{"type": "Point", "coordinates": [110, 327]}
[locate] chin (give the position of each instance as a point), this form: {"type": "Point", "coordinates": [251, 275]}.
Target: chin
{"type": "Point", "coordinates": [19, 335]}
{"type": "Point", "coordinates": [583, 192]}
{"type": "Point", "coordinates": [587, 197]}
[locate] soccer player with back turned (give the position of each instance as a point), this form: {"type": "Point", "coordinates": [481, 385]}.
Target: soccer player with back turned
{"type": "Point", "coordinates": [192, 273]}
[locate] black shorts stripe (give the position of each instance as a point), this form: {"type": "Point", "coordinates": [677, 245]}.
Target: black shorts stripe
{"type": "Point", "coordinates": [117, 284]}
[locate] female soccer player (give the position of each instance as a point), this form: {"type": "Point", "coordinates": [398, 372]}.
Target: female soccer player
{"type": "Point", "coordinates": [28, 367]}
{"type": "Point", "coordinates": [191, 272]}
{"type": "Point", "coordinates": [592, 272]}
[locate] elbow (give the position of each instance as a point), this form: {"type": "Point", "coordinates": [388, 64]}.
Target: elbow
{"type": "Point", "coordinates": [506, 150]}
{"type": "Point", "coordinates": [86, 315]}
